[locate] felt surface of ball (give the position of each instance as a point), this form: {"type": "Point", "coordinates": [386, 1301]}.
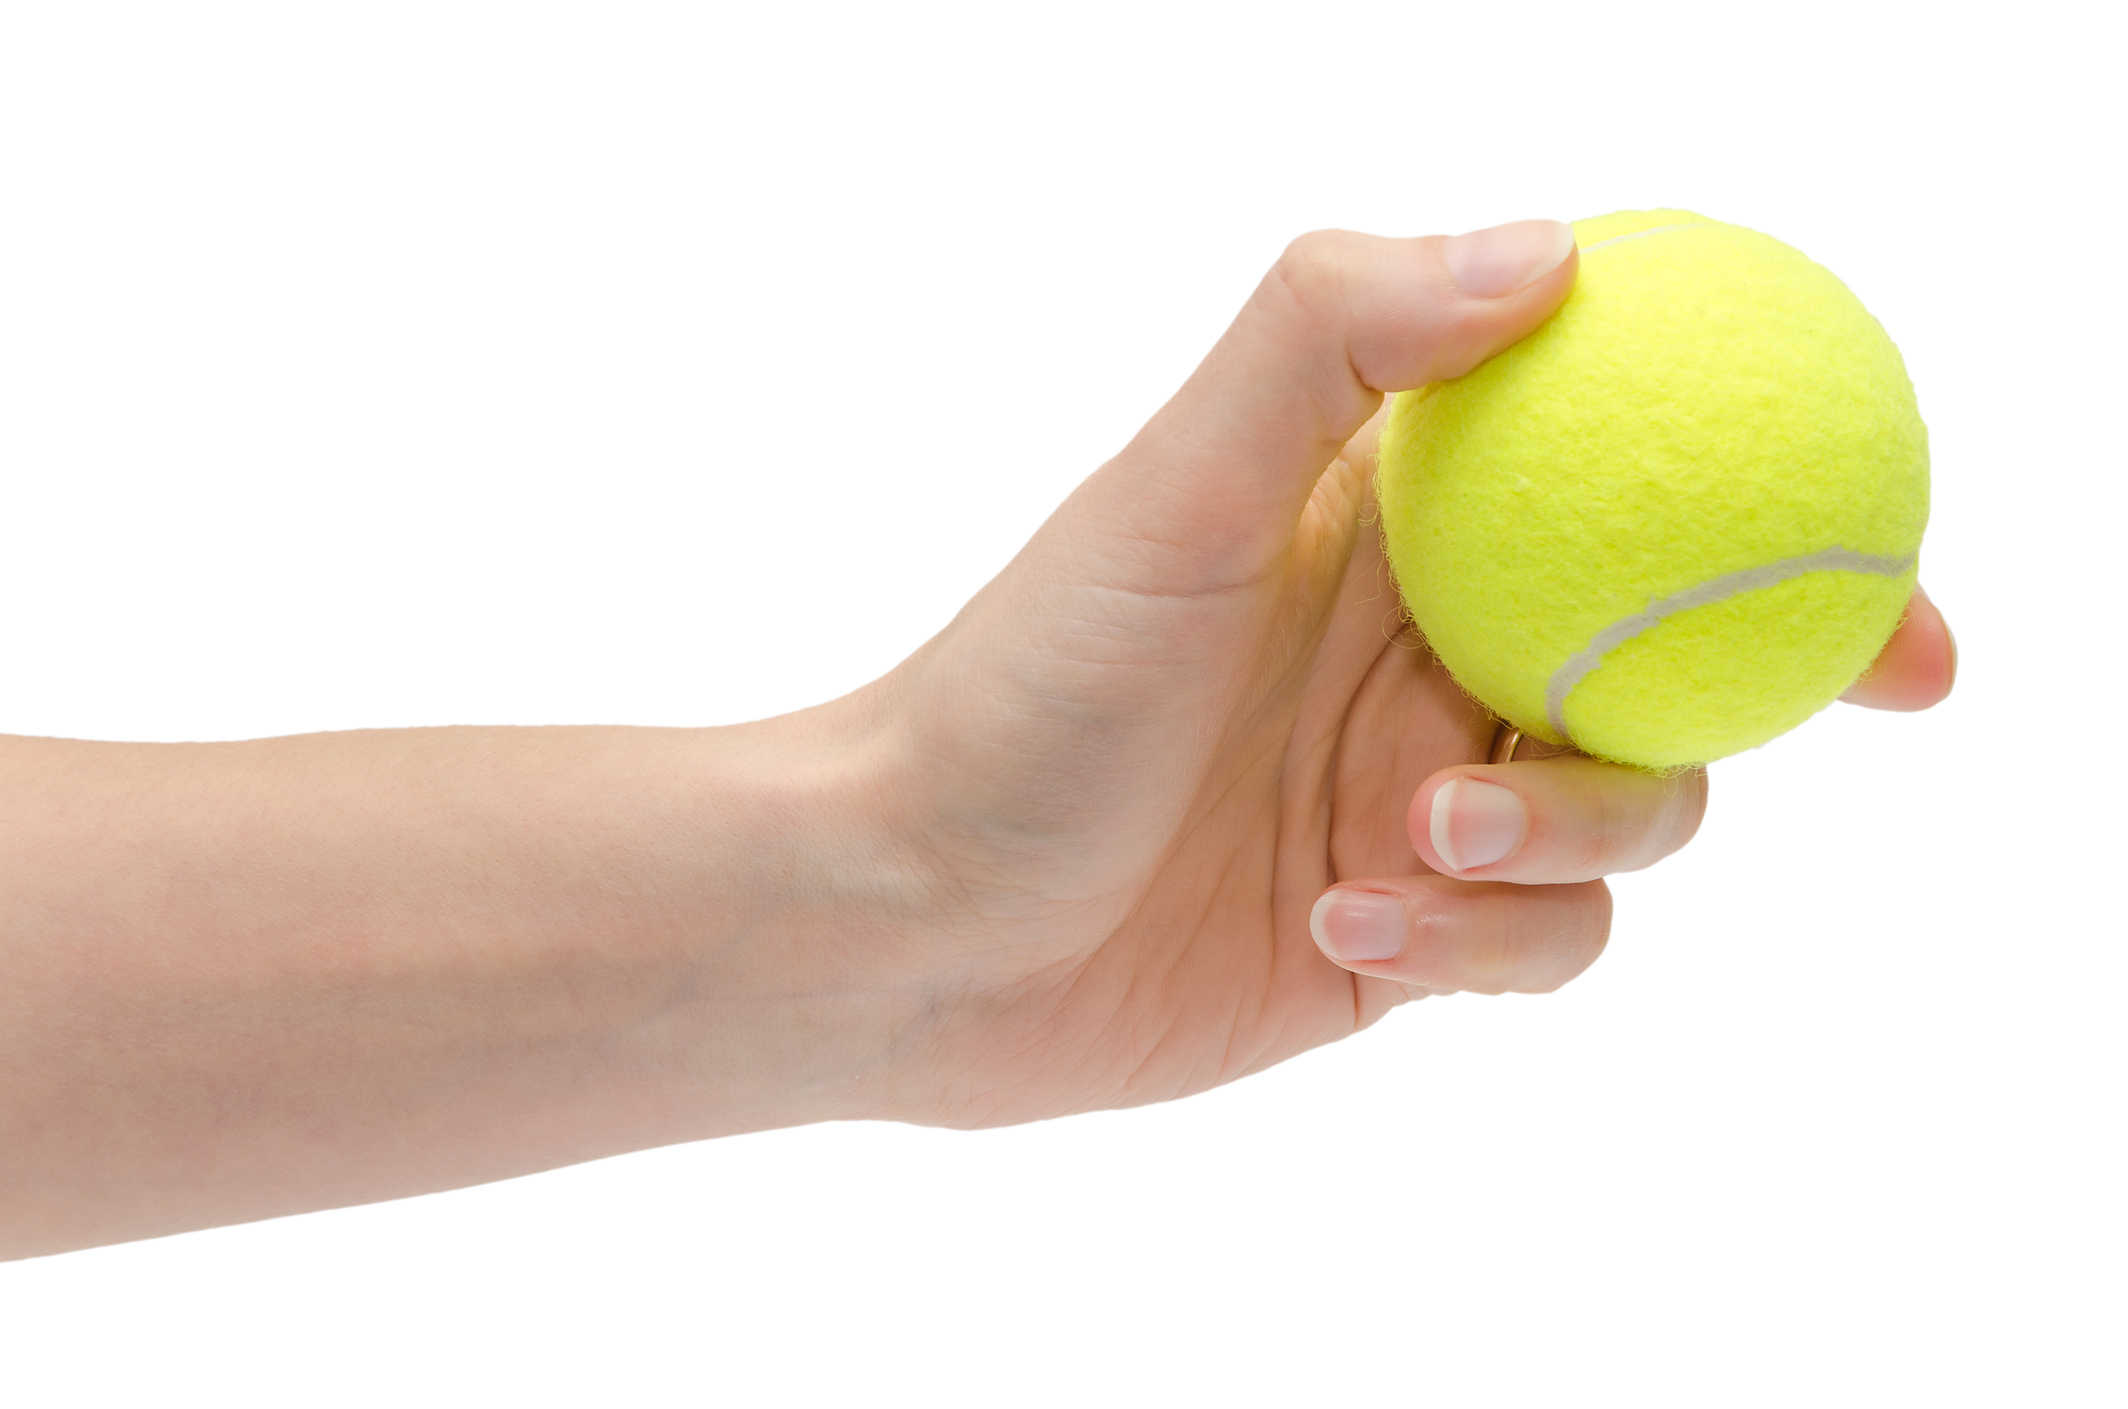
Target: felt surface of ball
{"type": "Point", "coordinates": [1679, 518]}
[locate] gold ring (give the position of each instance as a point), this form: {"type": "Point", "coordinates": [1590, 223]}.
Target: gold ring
{"type": "Point", "coordinates": [1505, 741]}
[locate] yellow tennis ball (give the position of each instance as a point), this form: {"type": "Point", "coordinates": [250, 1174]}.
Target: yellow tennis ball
{"type": "Point", "coordinates": [1678, 519]}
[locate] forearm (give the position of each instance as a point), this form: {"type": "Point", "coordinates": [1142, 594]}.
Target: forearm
{"type": "Point", "coordinates": [249, 979]}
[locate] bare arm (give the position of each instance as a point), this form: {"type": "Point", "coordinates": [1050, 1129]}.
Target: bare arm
{"type": "Point", "coordinates": [247, 979]}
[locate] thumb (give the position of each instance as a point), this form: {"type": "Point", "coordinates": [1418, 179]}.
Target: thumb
{"type": "Point", "coordinates": [1224, 469]}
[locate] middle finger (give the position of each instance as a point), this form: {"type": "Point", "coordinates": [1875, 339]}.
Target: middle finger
{"type": "Point", "coordinates": [1553, 820]}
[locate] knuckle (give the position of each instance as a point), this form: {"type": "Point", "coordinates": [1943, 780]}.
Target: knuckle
{"type": "Point", "coordinates": [1592, 848]}
{"type": "Point", "coordinates": [1626, 824]}
{"type": "Point", "coordinates": [1596, 919]}
{"type": "Point", "coordinates": [1593, 831]}
{"type": "Point", "coordinates": [1629, 824]}
{"type": "Point", "coordinates": [1693, 810]}
{"type": "Point", "coordinates": [1674, 819]}
{"type": "Point", "coordinates": [1498, 950]}
{"type": "Point", "coordinates": [1576, 934]}
{"type": "Point", "coordinates": [1499, 937]}
{"type": "Point", "coordinates": [1314, 268]}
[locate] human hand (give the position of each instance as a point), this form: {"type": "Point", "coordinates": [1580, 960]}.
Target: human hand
{"type": "Point", "coordinates": [1177, 796]}
{"type": "Point", "coordinates": [1185, 794]}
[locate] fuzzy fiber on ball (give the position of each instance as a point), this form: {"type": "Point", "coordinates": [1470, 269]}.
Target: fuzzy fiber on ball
{"type": "Point", "coordinates": [1686, 509]}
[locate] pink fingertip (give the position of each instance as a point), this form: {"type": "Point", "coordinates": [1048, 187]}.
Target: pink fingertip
{"type": "Point", "coordinates": [1475, 824]}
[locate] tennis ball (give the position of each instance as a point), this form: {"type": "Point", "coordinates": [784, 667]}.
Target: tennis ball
{"type": "Point", "coordinates": [1678, 519]}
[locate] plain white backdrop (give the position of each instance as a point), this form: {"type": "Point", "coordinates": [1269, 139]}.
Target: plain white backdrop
{"type": "Point", "coordinates": [396, 364]}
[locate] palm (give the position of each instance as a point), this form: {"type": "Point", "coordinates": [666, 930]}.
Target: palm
{"type": "Point", "coordinates": [1149, 921]}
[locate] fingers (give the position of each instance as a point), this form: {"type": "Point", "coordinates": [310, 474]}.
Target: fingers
{"type": "Point", "coordinates": [1552, 821]}
{"type": "Point", "coordinates": [1453, 936]}
{"type": "Point", "coordinates": [1917, 666]}
{"type": "Point", "coordinates": [1224, 468]}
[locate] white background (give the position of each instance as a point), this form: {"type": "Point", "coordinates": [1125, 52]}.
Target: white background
{"type": "Point", "coordinates": [415, 364]}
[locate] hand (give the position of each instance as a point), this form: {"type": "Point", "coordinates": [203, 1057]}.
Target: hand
{"type": "Point", "coordinates": [1190, 796]}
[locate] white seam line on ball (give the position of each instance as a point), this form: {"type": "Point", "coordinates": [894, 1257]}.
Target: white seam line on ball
{"type": "Point", "coordinates": [1715, 589]}
{"type": "Point", "coordinates": [1642, 234]}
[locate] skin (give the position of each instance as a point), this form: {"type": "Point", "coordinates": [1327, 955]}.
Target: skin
{"type": "Point", "coordinates": [1063, 858]}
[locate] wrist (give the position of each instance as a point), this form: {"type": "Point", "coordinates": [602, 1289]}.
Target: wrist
{"type": "Point", "coordinates": [809, 960]}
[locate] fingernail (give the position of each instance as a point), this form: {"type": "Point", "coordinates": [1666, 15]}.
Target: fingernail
{"type": "Point", "coordinates": [1475, 823]}
{"type": "Point", "coordinates": [1354, 926]}
{"type": "Point", "coordinates": [1490, 263]}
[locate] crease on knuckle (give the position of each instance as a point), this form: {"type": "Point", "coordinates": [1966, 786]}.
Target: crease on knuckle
{"type": "Point", "coordinates": [1596, 832]}
{"type": "Point", "coordinates": [1497, 951]}
{"type": "Point", "coordinates": [1315, 276]}
{"type": "Point", "coordinates": [1678, 813]}
{"type": "Point", "coordinates": [1574, 934]}
{"type": "Point", "coordinates": [1313, 272]}
{"type": "Point", "coordinates": [1622, 831]}
{"type": "Point", "coordinates": [1695, 812]}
